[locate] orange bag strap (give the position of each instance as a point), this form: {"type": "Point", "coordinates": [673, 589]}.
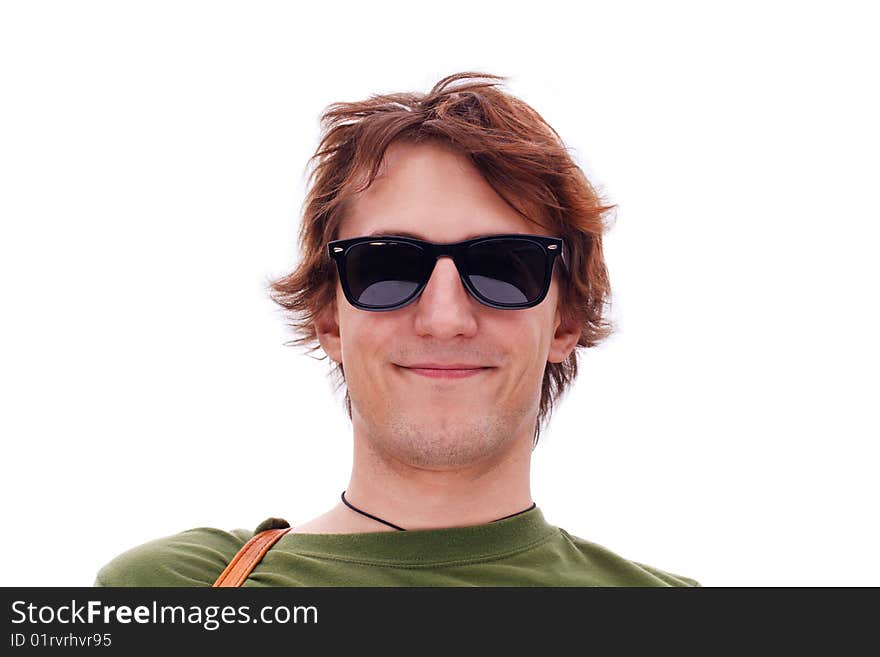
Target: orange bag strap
{"type": "Point", "coordinates": [249, 556]}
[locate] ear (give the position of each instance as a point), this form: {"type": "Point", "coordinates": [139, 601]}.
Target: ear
{"type": "Point", "coordinates": [565, 339]}
{"type": "Point", "coordinates": [327, 328]}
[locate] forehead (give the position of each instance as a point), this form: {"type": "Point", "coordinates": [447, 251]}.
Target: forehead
{"type": "Point", "coordinates": [430, 191]}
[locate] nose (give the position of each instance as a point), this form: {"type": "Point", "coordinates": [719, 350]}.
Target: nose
{"type": "Point", "coordinates": [445, 309]}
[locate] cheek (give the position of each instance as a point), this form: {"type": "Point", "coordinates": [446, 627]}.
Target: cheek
{"type": "Point", "coordinates": [529, 336]}
{"type": "Point", "coordinates": [367, 340]}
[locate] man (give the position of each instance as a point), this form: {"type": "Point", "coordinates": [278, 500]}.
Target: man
{"type": "Point", "coordinates": [452, 263]}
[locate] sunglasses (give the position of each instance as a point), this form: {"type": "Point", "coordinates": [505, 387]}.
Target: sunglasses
{"type": "Point", "coordinates": [388, 272]}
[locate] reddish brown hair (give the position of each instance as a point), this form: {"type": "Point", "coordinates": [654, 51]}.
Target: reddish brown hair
{"type": "Point", "coordinates": [519, 154]}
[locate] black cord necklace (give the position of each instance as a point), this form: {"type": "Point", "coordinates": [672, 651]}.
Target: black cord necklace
{"type": "Point", "coordinates": [385, 522]}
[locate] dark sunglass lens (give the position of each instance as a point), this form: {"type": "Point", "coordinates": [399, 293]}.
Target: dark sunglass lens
{"type": "Point", "coordinates": [507, 271]}
{"type": "Point", "coordinates": [383, 273]}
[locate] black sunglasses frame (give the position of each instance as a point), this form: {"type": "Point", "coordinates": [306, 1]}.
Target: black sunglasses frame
{"type": "Point", "coordinates": [552, 247]}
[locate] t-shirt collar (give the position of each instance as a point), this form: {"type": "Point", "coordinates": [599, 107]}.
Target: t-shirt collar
{"type": "Point", "coordinates": [427, 546]}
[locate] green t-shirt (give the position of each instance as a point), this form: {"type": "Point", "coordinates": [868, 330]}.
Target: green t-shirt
{"type": "Point", "coordinates": [523, 550]}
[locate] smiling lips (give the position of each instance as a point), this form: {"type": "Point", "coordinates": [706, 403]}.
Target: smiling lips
{"type": "Point", "coordinates": [454, 371]}
{"type": "Point", "coordinates": [446, 374]}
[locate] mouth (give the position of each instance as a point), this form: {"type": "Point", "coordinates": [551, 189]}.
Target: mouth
{"type": "Point", "coordinates": [445, 373]}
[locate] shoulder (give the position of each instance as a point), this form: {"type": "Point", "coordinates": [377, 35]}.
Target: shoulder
{"type": "Point", "coordinates": [620, 571]}
{"type": "Point", "coordinates": [670, 578]}
{"type": "Point", "coordinates": [194, 557]}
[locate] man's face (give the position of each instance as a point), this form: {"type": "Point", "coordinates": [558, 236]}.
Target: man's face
{"type": "Point", "coordinates": [428, 422]}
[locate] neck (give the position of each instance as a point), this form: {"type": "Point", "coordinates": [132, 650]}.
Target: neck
{"type": "Point", "coordinates": [416, 497]}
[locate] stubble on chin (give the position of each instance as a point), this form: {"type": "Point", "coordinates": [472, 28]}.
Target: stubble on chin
{"type": "Point", "coordinates": [444, 443]}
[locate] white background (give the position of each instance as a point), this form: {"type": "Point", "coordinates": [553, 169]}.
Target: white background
{"type": "Point", "coordinates": [152, 164]}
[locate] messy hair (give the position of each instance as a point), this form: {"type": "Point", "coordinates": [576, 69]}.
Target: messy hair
{"type": "Point", "coordinates": [518, 153]}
